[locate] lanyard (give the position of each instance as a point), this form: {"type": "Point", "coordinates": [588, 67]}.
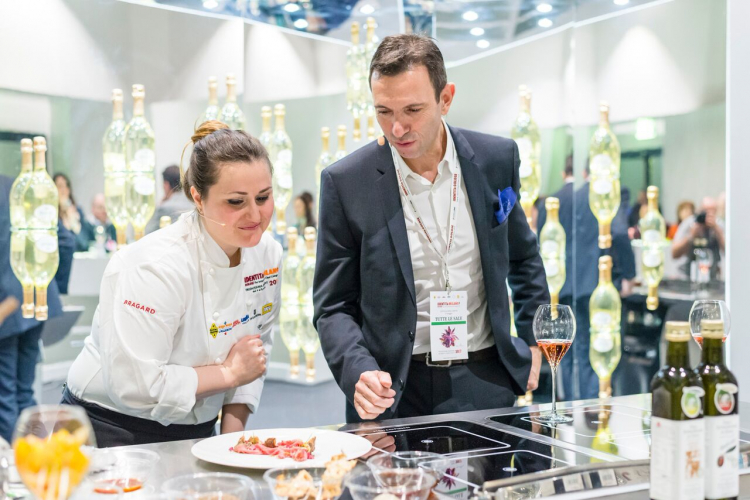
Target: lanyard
{"type": "Point", "coordinates": [454, 194]}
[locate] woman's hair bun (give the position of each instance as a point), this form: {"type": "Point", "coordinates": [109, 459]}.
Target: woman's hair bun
{"type": "Point", "coordinates": [207, 128]}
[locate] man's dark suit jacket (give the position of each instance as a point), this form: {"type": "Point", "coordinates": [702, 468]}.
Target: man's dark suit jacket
{"type": "Point", "coordinates": [365, 303]}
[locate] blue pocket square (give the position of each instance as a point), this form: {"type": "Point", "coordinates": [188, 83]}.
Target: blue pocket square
{"type": "Point", "coordinates": [507, 199]}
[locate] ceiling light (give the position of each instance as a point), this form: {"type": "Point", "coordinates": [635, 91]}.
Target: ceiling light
{"type": "Point", "coordinates": [301, 24]}
{"type": "Point", "coordinates": [470, 15]}
{"type": "Point", "coordinates": [621, 2]}
{"type": "Point", "coordinates": [545, 22]}
{"type": "Point", "coordinates": [210, 4]}
{"type": "Point", "coordinates": [477, 31]}
{"type": "Point", "coordinates": [291, 8]}
{"type": "Point", "coordinates": [544, 8]}
{"type": "Point", "coordinates": [366, 9]}
{"type": "Point", "coordinates": [483, 44]}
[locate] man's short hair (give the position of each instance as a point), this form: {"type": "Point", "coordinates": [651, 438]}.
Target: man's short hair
{"type": "Point", "coordinates": [399, 53]}
{"type": "Point", "coordinates": [171, 174]}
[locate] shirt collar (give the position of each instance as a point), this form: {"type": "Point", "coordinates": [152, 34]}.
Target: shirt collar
{"type": "Point", "coordinates": [449, 158]}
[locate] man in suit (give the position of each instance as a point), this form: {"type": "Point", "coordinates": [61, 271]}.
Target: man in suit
{"type": "Point", "coordinates": [389, 214]}
{"type": "Point", "coordinates": [19, 337]}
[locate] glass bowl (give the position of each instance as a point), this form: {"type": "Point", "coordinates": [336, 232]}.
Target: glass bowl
{"type": "Point", "coordinates": [212, 486]}
{"type": "Point", "coordinates": [391, 484]}
{"type": "Point", "coordinates": [127, 470]}
{"type": "Point", "coordinates": [286, 483]}
{"type": "Point", "coordinates": [431, 462]}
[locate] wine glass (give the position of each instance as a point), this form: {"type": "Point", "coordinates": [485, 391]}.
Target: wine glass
{"type": "Point", "coordinates": [48, 445]}
{"type": "Point", "coordinates": [554, 331]}
{"type": "Point", "coordinates": [708, 309]}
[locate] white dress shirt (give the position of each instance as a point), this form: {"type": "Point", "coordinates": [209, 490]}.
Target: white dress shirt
{"type": "Point", "coordinates": [432, 200]}
{"type": "Point", "coordinates": [170, 303]}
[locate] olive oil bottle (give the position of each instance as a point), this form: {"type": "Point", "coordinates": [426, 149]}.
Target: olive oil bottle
{"type": "Point", "coordinates": [677, 424]}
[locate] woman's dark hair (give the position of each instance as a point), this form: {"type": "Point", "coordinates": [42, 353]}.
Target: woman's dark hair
{"type": "Point", "coordinates": [213, 144]}
{"type": "Point", "coordinates": [59, 175]}
{"type": "Point", "coordinates": [307, 199]}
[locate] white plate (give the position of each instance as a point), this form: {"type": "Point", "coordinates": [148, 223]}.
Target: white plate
{"type": "Point", "coordinates": [327, 445]}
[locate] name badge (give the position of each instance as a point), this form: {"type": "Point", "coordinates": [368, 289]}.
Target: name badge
{"type": "Point", "coordinates": [448, 333]}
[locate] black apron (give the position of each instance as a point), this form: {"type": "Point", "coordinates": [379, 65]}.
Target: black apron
{"type": "Point", "coordinates": [112, 428]}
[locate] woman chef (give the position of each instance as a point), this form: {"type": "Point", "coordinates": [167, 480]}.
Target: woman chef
{"type": "Point", "coordinates": [185, 317]}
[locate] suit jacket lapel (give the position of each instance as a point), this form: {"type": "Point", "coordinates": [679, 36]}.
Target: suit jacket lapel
{"type": "Point", "coordinates": [390, 198]}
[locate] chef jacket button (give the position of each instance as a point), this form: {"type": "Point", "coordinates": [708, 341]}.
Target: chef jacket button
{"type": "Point", "coordinates": [216, 315]}
{"type": "Point", "coordinates": [211, 271]}
{"type": "Point", "coordinates": [411, 335]}
{"type": "Point", "coordinates": [217, 361]}
{"type": "Point", "coordinates": [401, 383]}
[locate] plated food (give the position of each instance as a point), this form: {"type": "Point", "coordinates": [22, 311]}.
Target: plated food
{"type": "Point", "coordinates": [296, 449]}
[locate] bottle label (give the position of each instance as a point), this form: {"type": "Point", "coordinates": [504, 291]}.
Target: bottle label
{"type": "Point", "coordinates": [601, 320]}
{"type": "Point", "coordinates": [602, 186]}
{"type": "Point", "coordinates": [603, 343]}
{"type": "Point", "coordinates": [283, 181]}
{"type": "Point", "coordinates": [722, 456]}
{"type": "Point", "coordinates": [46, 214]}
{"type": "Point", "coordinates": [144, 186]}
{"type": "Point", "coordinates": [525, 170]}
{"type": "Point", "coordinates": [677, 459]}
{"type": "Point", "coordinates": [651, 237]}
{"type": "Point", "coordinates": [145, 159]}
{"type": "Point", "coordinates": [525, 148]}
{"type": "Point", "coordinates": [550, 247]}
{"type": "Point", "coordinates": [724, 398]}
{"type": "Point", "coordinates": [551, 267]}
{"type": "Point", "coordinates": [284, 159]}
{"type": "Point", "coordinates": [46, 243]}
{"type": "Point", "coordinates": [601, 164]}
{"type": "Point", "coordinates": [652, 258]}
{"type": "Point", "coordinates": [114, 162]}
{"type": "Point", "coordinates": [691, 402]}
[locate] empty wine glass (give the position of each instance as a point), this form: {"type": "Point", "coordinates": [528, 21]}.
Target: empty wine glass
{"type": "Point", "coordinates": [708, 309]}
{"type": "Point", "coordinates": [554, 331]}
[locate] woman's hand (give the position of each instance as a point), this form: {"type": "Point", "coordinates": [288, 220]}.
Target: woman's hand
{"type": "Point", "coordinates": [246, 360]}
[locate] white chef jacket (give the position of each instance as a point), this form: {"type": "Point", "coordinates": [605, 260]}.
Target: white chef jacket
{"type": "Point", "coordinates": [432, 199]}
{"type": "Point", "coordinates": [170, 303]}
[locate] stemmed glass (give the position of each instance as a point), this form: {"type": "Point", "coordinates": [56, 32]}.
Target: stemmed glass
{"type": "Point", "coordinates": [554, 331]}
{"type": "Point", "coordinates": [49, 449]}
{"type": "Point", "coordinates": [708, 309]}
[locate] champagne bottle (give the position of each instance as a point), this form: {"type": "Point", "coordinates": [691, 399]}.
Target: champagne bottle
{"type": "Point", "coordinates": [552, 247]}
{"type": "Point", "coordinates": [164, 221]}
{"type": "Point", "coordinates": [140, 156]}
{"type": "Point", "coordinates": [19, 229]}
{"type": "Point", "coordinates": [290, 307]}
{"type": "Point", "coordinates": [325, 157]}
{"type": "Point", "coordinates": [720, 410]}
{"type": "Point", "coordinates": [41, 253]}
{"type": "Point", "coordinates": [653, 234]}
{"type": "Point", "coordinates": [677, 426]}
{"type": "Point", "coordinates": [526, 134]}
{"type": "Point", "coordinates": [212, 112]}
{"type": "Point", "coordinates": [370, 47]}
{"type": "Point", "coordinates": [354, 90]}
{"type": "Point", "coordinates": [282, 169]}
{"type": "Point", "coordinates": [604, 439]}
{"type": "Point", "coordinates": [605, 311]}
{"type": "Point", "coordinates": [266, 136]}
{"type": "Point", "coordinates": [115, 169]}
{"type": "Point", "coordinates": [231, 114]}
{"type": "Point", "coordinates": [341, 151]}
{"type": "Point", "coordinates": [604, 169]}
{"type": "Point", "coordinates": [305, 275]}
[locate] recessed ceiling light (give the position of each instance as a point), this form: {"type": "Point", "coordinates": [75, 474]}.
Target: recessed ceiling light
{"type": "Point", "coordinates": [545, 22]}
{"type": "Point", "coordinates": [366, 9]}
{"type": "Point", "coordinates": [291, 8]}
{"type": "Point", "coordinates": [477, 31]}
{"type": "Point", "coordinates": [301, 24]}
{"type": "Point", "coordinates": [210, 4]}
{"type": "Point", "coordinates": [483, 44]}
{"type": "Point", "coordinates": [544, 8]}
{"type": "Point", "coordinates": [470, 15]}
{"type": "Point", "coordinates": [622, 2]}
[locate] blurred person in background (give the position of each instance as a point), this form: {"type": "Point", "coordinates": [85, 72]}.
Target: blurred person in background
{"type": "Point", "coordinates": [721, 206]}
{"type": "Point", "coordinates": [684, 210]}
{"type": "Point", "coordinates": [705, 229]}
{"type": "Point", "coordinates": [70, 213]}
{"type": "Point", "coordinates": [19, 336]}
{"type": "Point", "coordinates": [173, 204]}
{"type": "Point", "coordinates": [304, 211]}
{"type": "Point", "coordinates": [98, 223]}
{"type": "Point", "coordinates": [638, 210]}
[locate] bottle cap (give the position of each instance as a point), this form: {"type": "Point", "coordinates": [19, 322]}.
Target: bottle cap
{"type": "Point", "coordinates": [678, 331]}
{"type": "Point", "coordinates": [552, 203]}
{"type": "Point", "coordinates": [712, 329]}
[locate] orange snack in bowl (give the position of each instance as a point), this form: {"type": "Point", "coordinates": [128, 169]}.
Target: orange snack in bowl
{"type": "Point", "coordinates": [54, 466]}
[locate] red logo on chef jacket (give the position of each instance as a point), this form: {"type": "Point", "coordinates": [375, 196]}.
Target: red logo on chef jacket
{"type": "Point", "coordinates": [139, 306]}
{"type": "Point", "coordinates": [259, 281]}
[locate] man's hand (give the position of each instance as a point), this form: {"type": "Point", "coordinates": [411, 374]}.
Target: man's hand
{"type": "Point", "coordinates": [536, 366]}
{"type": "Point", "coordinates": [373, 394]}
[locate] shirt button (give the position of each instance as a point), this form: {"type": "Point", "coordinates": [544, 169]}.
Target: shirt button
{"type": "Point", "coordinates": [217, 361]}
{"type": "Point", "coordinates": [401, 383]}
{"type": "Point", "coordinates": [216, 315]}
{"type": "Point", "coordinates": [411, 335]}
{"type": "Point", "coordinates": [211, 271]}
